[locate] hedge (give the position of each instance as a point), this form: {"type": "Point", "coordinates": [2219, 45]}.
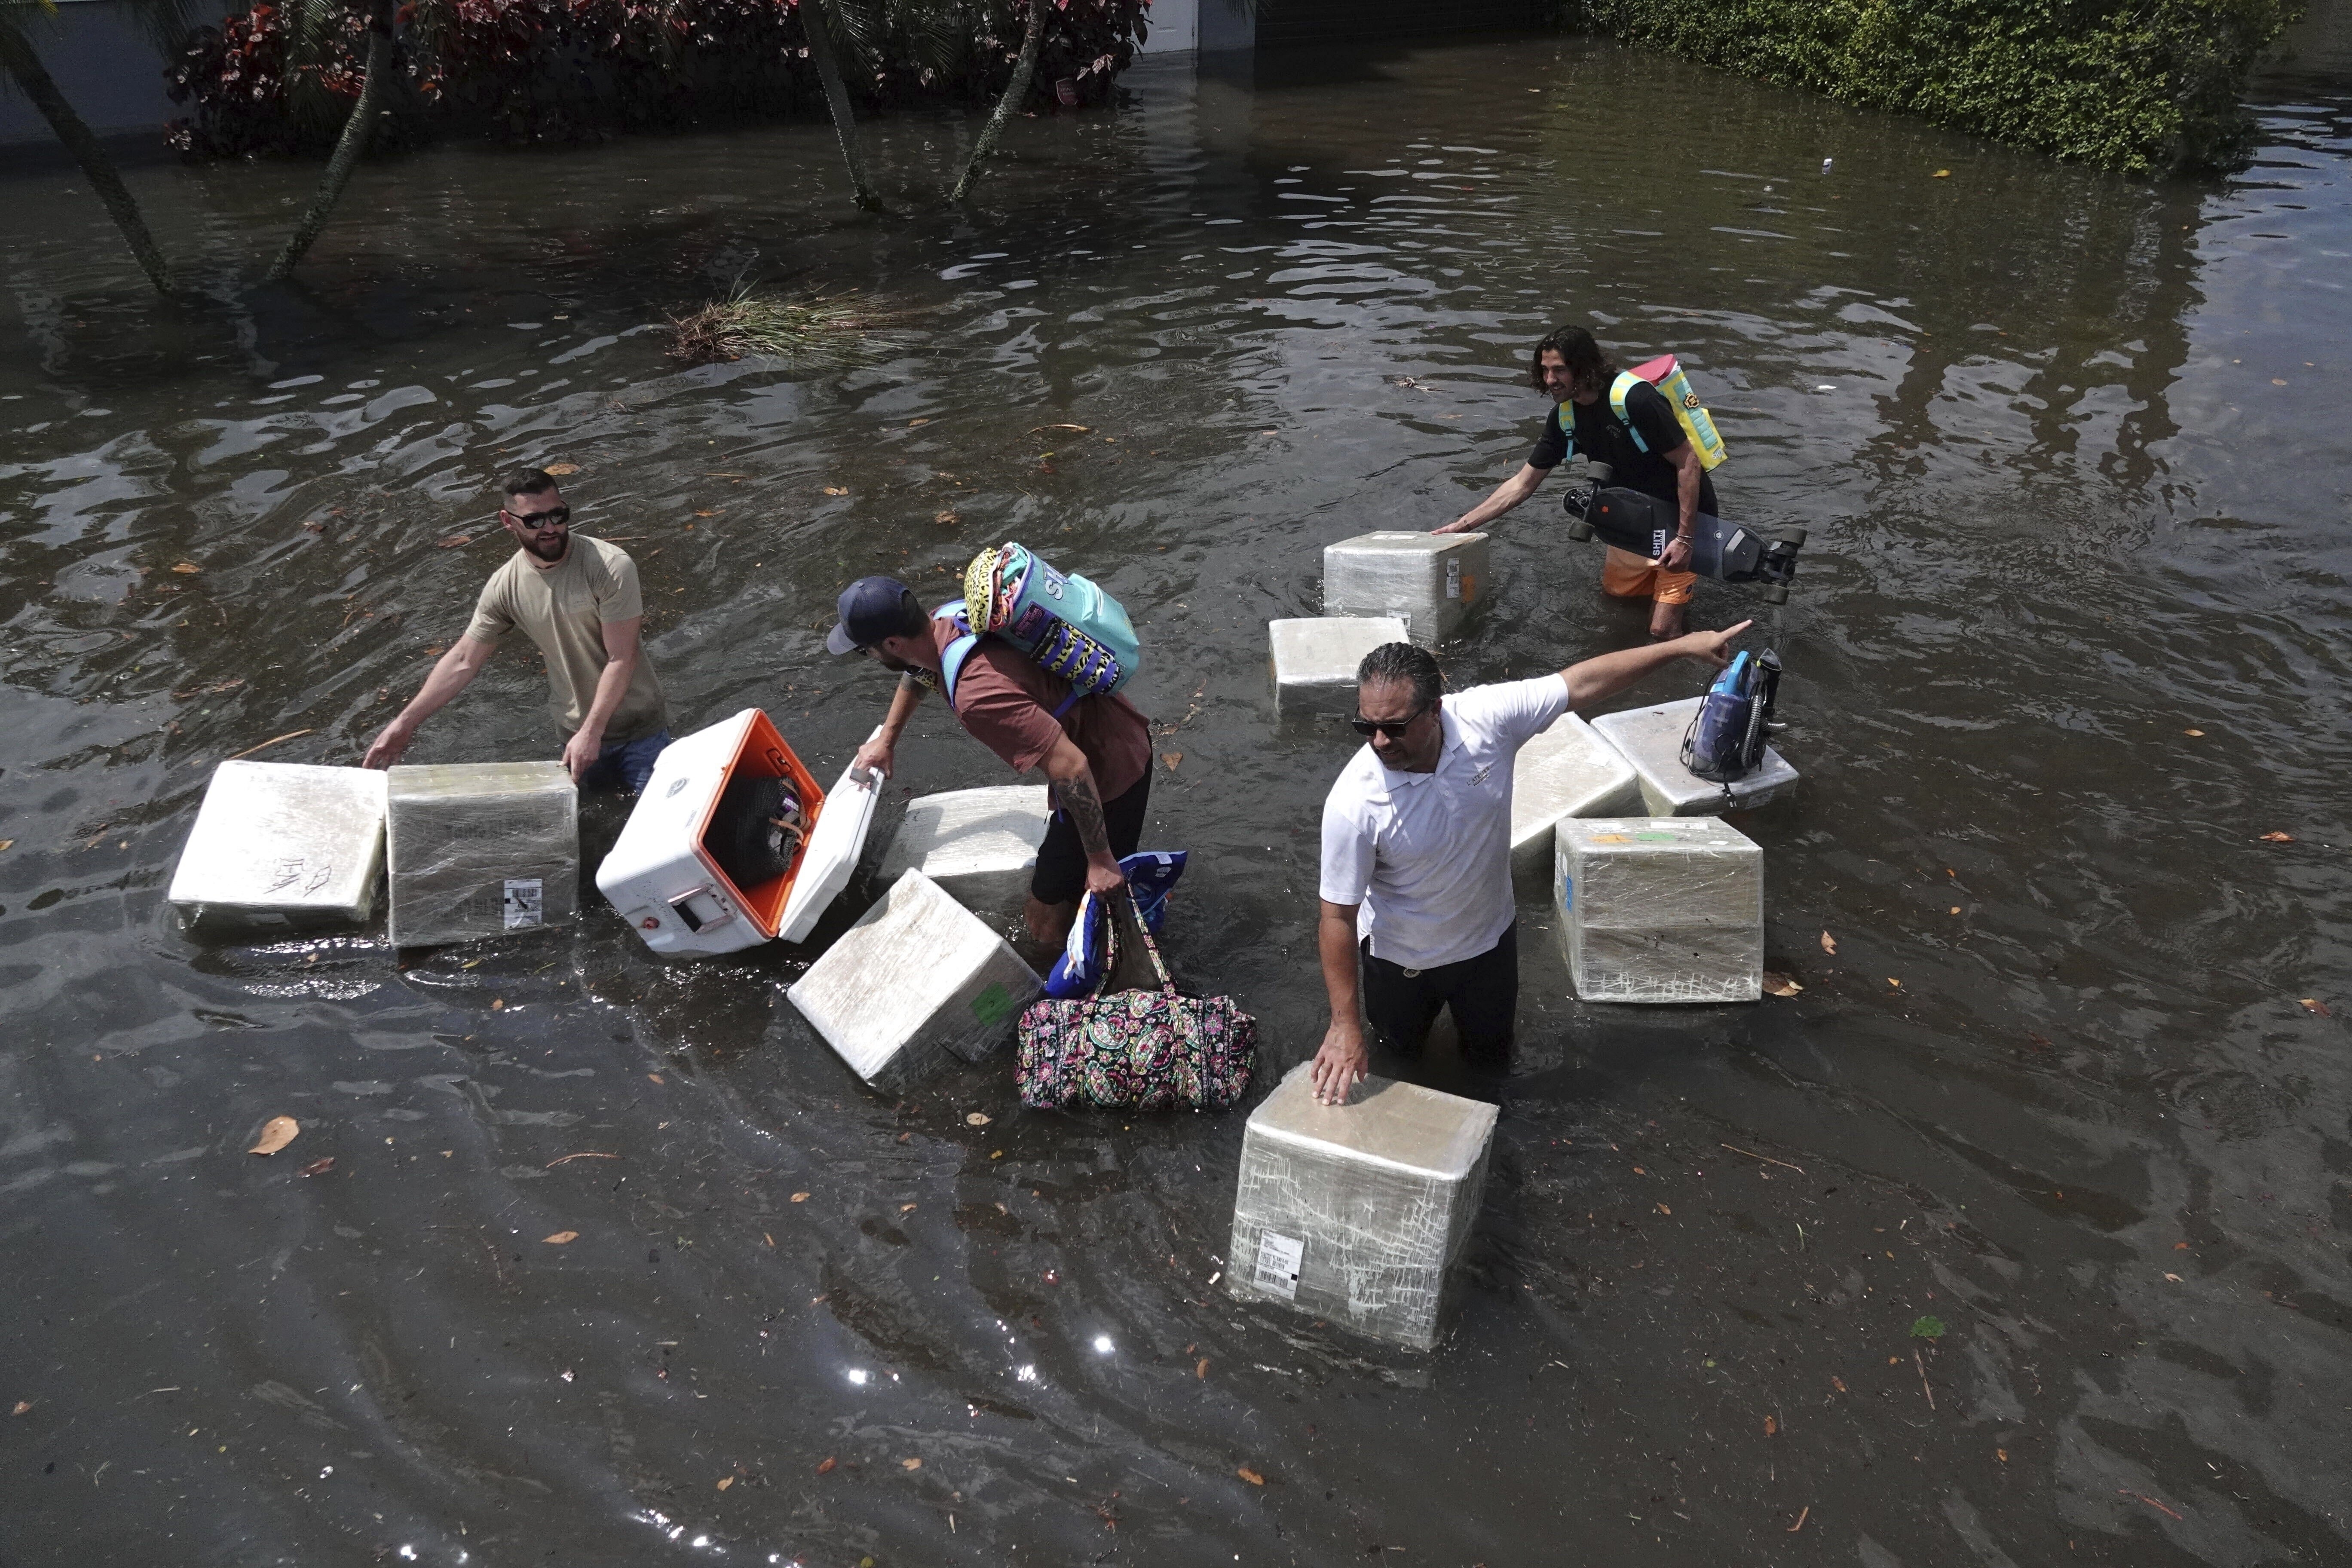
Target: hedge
{"type": "Point", "coordinates": [2150, 87]}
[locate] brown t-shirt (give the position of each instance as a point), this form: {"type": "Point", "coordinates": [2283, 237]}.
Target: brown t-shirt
{"type": "Point", "coordinates": [1007, 701]}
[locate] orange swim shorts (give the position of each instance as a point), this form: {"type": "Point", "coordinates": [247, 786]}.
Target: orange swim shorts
{"type": "Point", "coordinates": [1626, 575]}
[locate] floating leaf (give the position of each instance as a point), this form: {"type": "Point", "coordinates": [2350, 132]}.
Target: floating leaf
{"type": "Point", "coordinates": [800, 1197]}
{"type": "Point", "coordinates": [455, 541]}
{"type": "Point", "coordinates": [2313, 1005]}
{"type": "Point", "coordinates": [1172, 759]}
{"type": "Point", "coordinates": [1892, 981]}
{"type": "Point", "coordinates": [2278, 837]}
{"type": "Point", "coordinates": [1252, 1477]}
{"type": "Point", "coordinates": [706, 515]}
{"type": "Point", "coordinates": [910, 1464]}
{"type": "Point", "coordinates": [2174, 1277]}
{"type": "Point", "coordinates": [949, 518]}
{"type": "Point", "coordinates": [836, 489]}
{"type": "Point", "coordinates": [976, 1119]}
{"type": "Point", "coordinates": [912, 422]}
{"type": "Point", "coordinates": [1928, 1327]}
{"type": "Point", "coordinates": [1201, 1368]}
{"type": "Point", "coordinates": [1772, 1425]}
{"type": "Point", "coordinates": [320, 1167]}
{"type": "Point", "coordinates": [1829, 944]}
{"type": "Point", "coordinates": [906, 1208]}
{"type": "Point", "coordinates": [187, 568]}
{"type": "Point", "coordinates": [826, 1467]}
{"type": "Point", "coordinates": [560, 469]}
{"type": "Point", "coordinates": [1778, 984]}
{"type": "Point", "coordinates": [561, 1238]}
{"type": "Point", "coordinates": [2199, 733]}
{"type": "Point", "coordinates": [1943, 173]}
{"type": "Point", "coordinates": [2001, 1454]}
{"type": "Point", "coordinates": [726, 1482]}
{"type": "Point", "coordinates": [275, 1133]}
{"type": "Point", "coordinates": [1664, 1210]}
{"type": "Point", "coordinates": [1956, 908]}
{"type": "Point", "coordinates": [1838, 1383]}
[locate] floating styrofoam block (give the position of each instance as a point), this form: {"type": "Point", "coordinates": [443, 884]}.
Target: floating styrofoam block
{"type": "Point", "coordinates": [917, 979]}
{"type": "Point", "coordinates": [1652, 740]}
{"type": "Point", "coordinates": [981, 845]}
{"type": "Point", "coordinates": [479, 850]}
{"type": "Point", "coordinates": [1430, 581]}
{"type": "Point", "coordinates": [1315, 660]}
{"type": "Point", "coordinates": [1660, 909]}
{"type": "Point", "coordinates": [1567, 771]}
{"type": "Point", "coordinates": [1355, 1212]}
{"type": "Point", "coordinates": [280, 842]}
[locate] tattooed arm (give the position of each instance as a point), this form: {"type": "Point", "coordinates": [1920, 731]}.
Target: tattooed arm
{"type": "Point", "coordinates": [1075, 793]}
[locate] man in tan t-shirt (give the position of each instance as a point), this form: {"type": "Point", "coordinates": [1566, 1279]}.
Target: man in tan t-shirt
{"type": "Point", "coordinates": [577, 599]}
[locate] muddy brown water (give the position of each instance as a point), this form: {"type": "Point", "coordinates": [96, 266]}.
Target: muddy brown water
{"type": "Point", "coordinates": [2067, 645]}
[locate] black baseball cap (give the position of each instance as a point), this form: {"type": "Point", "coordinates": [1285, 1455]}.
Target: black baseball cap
{"type": "Point", "coordinates": [871, 608]}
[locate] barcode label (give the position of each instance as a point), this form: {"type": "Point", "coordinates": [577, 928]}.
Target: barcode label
{"type": "Point", "coordinates": [526, 902]}
{"type": "Point", "coordinates": [1278, 1264]}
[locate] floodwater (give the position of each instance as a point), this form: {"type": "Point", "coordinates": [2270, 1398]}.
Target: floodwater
{"type": "Point", "coordinates": [2067, 652]}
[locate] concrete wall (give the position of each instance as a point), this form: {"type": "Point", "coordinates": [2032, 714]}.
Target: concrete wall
{"type": "Point", "coordinates": [1175, 27]}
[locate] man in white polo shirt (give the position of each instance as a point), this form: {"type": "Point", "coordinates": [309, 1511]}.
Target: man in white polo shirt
{"type": "Point", "coordinates": [1417, 849]}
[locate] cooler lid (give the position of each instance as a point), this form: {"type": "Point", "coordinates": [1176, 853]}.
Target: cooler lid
{"type": "Point", "coordinates": [835, 847]}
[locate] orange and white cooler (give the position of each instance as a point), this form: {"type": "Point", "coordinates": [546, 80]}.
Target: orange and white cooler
{"type": "Point", "coordinates": [663, 877]}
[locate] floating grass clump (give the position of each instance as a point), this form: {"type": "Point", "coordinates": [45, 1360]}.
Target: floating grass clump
{"type": "Point", "coordinates": [810, 331]}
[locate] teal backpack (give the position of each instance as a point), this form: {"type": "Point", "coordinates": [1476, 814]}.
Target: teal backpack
{"type": "Point", "coordinates": [1063, 622]}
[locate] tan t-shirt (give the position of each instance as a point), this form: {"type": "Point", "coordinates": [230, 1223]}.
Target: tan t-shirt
{"type": "Point", "coordinates": [565, 610]}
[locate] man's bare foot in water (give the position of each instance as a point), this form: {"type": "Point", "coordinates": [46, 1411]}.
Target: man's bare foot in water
{"type": "Point", "coordinates": [1666, 621]}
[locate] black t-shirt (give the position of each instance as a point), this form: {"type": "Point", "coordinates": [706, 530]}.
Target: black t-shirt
{"type": "Point", "coordinates": [1603, 437]}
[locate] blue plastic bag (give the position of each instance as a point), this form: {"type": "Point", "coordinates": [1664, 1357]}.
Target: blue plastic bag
{"type": "Point", "coordinates": [1086, 952]}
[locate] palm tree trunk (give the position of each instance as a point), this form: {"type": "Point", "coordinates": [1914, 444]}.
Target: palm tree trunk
{"type": "Point", "coordinates": [24, 65]}
{"type": "Point", "coordinates": [816, 24]}
{"type": "Point", "coordinates": [348, 148]}
{"type": "Point", "coordinates": [1015, 92]}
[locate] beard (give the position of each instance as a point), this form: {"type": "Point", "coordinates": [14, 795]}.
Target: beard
{"type": "Point", "coordinates": [890, 662]}
{"type": "Point", "coordinates": [547, 550]}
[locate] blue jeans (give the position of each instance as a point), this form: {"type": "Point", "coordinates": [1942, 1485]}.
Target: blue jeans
{"type": "Point", "coordinates": [625, 766]}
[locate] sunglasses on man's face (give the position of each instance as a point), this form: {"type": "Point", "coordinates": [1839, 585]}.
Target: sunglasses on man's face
{"type": "Point", "coordinates": [560, 517]}
{"type": "Point", "coordinates": [1393, 728]}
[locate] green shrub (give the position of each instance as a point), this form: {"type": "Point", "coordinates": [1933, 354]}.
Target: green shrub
{"type": "Point", "coordinates": [2144, 86]}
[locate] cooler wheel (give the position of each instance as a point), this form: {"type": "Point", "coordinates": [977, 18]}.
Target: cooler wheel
{"type": "Point", "coordinates": [1580, 531]}
{"type": "Point", "coordinates": [1795, 536]}
{"type": "Point", "coordinates": [1777, 594]}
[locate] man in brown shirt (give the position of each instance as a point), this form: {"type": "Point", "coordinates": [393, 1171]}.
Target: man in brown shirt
{"type": "Point", "coordinates": [577, 599]}
{"type": "Point", "coordinates": [1098, 754]}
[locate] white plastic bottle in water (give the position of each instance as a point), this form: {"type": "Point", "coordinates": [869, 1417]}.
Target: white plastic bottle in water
{"type": "Point", "coordinates": [1825, 165]}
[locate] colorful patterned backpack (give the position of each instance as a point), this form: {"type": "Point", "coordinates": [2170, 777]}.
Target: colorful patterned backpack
{"type": "Point", "coordinates": [1063, 621]}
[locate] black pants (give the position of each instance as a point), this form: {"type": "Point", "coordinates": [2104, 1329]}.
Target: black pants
{"type": "Point", "coordinates": [1061, 874]}
{"type": "Point", "coordinates": [1401, 1004]}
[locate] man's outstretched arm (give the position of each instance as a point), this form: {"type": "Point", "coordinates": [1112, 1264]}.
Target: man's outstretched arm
{"type": "Point", "coordinates": [1589, 681]}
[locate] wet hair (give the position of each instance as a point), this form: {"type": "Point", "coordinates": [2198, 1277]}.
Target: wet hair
{"type": "Point", "coordinates": [1401, 662]}
{"type": "Point", "coordinates": [527, 482]}
{"type": "Point", "coordinates": [1588, 367]}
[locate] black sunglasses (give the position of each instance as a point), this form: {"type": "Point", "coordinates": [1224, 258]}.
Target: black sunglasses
{"type": "Point", "coordinates": [561, 516]}
{"type": "Point", "coordinates": [1393, 728]}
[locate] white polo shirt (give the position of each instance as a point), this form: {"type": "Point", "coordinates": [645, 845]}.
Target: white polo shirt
{"type": "Point", "coordinates": [1427, 857]}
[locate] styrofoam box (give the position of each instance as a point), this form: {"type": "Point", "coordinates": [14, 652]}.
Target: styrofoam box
{"type": "Point", "coordinates": [1428, 581]}
{"type": "Point", "coordinates": [279, 842]}
{"type": "Point", "coordinates": [1315, 660]}
{"type": "Point", "coordinates": [1660, 909]}
{"type": "Point", "coordinates": [1652, 740]}
{"type": "Point", "coordinates": [981, 845]}
{"type": "Point", "coordinates": [1567, 771]}
{"type": "Point", "coordinates": [676, 894]}
{"type": "Point", "coordinates": [1354, 1213]}
{"type": "Point", "coordinates": [480, 850]}
{"type": "Point", "coordinates": [917, 979]}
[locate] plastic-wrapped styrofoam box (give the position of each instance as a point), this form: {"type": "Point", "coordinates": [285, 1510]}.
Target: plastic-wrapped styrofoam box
{"type": "Point", "coordinates": [1652, 740]}
{"type": "Point", "coordinates": [1567, 771]}
{"type": "Point", "coordinates": [918, 979]}
{"type": "Point", "coordinates": [1315, 659]}
{"type": "Point", "coordinates": [1660, 909]}
{"type": "Point", "coordinates": [282, 843]}
{"type": "Point", "coordinates": [1354, 1213]}
{"type": "Point", "coordinates": [981, 845]}
{"type": "Point", "coordinates": [480, 850]}
{"type": "Point", "coordinates": [1428, 581]}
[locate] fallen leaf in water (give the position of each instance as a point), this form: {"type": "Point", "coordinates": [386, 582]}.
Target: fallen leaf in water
{"type": "Point", "coordinates": [2196, 733]}
{"type": "Point", "coordinates": [1772, 1425]}
{"type": "Point", "coordinates": [2174, 1277]}
{"type": "Point", "coordinates": [1956, 908]}
{"type": "Point", "coordinates": [912, 422]}
{"type": "Point", "coordinates": [1778, 984]}
{"type": "Point", "coordinates": [314, 527]}
{"type": "Point", "coordinates": [1943, 173]}
{"type": "Point", "coordinates": [320, 1167]}
{"type": "Point", "coordinates": [23, 1406]}
{"type": "Point", "coordinates": [2278, 837]}
{"type": "Point", "coordinates": [561, 1238]}
{"type": "Point", "coordinates": [1892, 981]}
{"type": "Point", "coordinates": [824, 1468]}
{"type": "Point", "coordinates": [1201, 1368]}
{"type": "Point", "coordinates": [800, 1197]}
{"type": "Point", "coordinates": [836, 489]}
{"type": "Point", "coordinates": [1172, 759]}
{"type": "Point", "coordinates": [2314, 1005]}
{"type": "Point", "coordinates": [949, 518]}
{"type": "Point", "coordinates": [1838, 1383]}
{"type": "Point", "coordinates": [726, 1482]}
{"type": "Point", "coordinates": [976, 1119]}
{"type": "Point", "coordinates": [653, 1077]}
{"type": "Point", "coordinates": [2180, 1246]}
{"type": "Point", "coordinates": [906, 1208]}
{"type": "Point", "coordinates": [455, 541]}
{"type": "Point", "coordinates": [275, 1133]}
{"type": "Point", "coordinates": [187, 568]}
{"type": "Point", "coordinates": [7, 844]}
{"type": "Point", "coordinates": [1928, 1327]}
{"type": "Point", "coordinates": [2001, 1454]}
{"type": "Point", "coordinates": [2278, 380]}
{"type": "Point", "coordinates": [497, 1004]}
{"type": "Point", "coordinates": [1080, 429]}
{"type": "Point", "coordinates": [1829, 944]}
{"type": "Point", "coordinates": [910, 1464]}
{"type": "Point", "coordinates": [561, 469]}
{"type": "Point", "coordinates": [1664, 1210]}
{"type": "Point", "coordinates": [1252, 1477]}
{"type": "Point", "coordinates": [706, 515]}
